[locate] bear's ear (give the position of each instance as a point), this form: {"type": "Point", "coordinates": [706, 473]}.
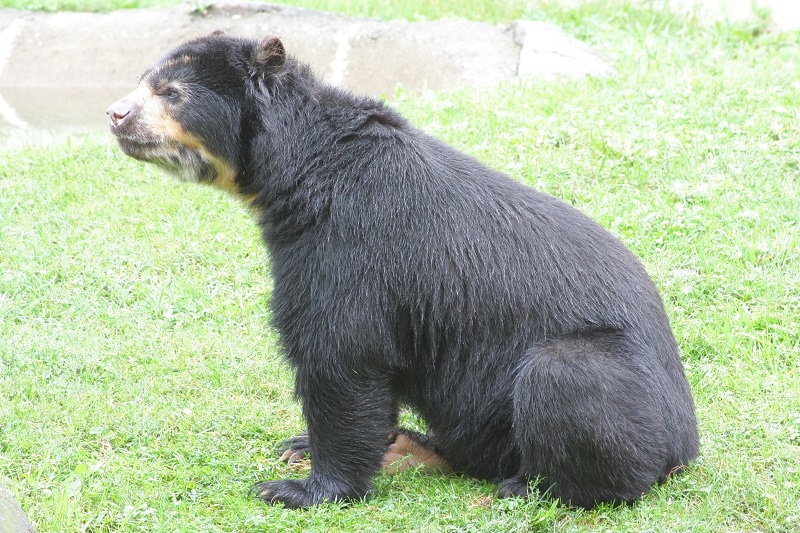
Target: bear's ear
{"type": "Point", "coordinates": [270, 56]}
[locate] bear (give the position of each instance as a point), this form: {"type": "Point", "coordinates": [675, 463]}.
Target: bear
{"type": "Point", "coordinates": [530, 340]}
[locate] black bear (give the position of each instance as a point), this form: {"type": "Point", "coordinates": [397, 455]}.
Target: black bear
{"type": "Point", "coordinates": [530, 340]}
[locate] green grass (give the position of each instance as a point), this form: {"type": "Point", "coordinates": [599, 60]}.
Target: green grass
{"type": "Point", "coordinates": [495, 11]}
{"type": "Point", "coordinates": [141, 390]}
{"type": "Point", "coordinates": [84, 5]}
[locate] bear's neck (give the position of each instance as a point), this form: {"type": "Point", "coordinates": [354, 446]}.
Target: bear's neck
{"type": "Point", "coordinates": [314, 144]}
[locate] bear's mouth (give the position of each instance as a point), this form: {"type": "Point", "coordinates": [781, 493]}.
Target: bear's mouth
{"type": "Point", "coordinates": [145, 151]}
{"type": "Point", "coordinates": [138, 146]}
{"type": "Point", "coordinates": [182, 162]}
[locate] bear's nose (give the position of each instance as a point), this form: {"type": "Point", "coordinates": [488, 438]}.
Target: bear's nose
{"type": "Point", "coordinates": [117, 112]}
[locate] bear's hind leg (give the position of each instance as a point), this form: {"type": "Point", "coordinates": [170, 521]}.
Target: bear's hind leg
{"type": "Point", "coordinates": [295, 449]}
{"type": "Point", "coordinates": [409, 449]}
{"type": "Point", "coordinates": [589, 419]}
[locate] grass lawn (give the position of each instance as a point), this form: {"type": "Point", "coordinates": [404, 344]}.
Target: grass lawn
{"type": "Point", "coordinates": [141, 389]}
{"type": "Point", "coordinates": [500, 10]}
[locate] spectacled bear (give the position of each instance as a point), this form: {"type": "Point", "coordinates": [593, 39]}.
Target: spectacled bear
{"type": "Point", "coordinates": [531, 341]}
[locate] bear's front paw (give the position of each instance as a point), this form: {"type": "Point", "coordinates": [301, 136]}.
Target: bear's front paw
{"type": "Point", "coordinates": [296, 493]}
{"type": "Point", "coordinates": [291, 492]}
{"type": "Point", "coordinates": [295, 450]}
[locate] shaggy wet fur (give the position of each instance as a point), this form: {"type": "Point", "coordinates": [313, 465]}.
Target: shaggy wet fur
{"type": "Point", "coordinates": [532, 341]}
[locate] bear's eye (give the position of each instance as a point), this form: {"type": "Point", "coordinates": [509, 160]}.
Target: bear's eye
{"type": "Point", "coordinates": [170, 93]}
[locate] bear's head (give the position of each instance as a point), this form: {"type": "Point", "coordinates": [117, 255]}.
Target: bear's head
{"type": "Point", "coordinates": [187, 113]}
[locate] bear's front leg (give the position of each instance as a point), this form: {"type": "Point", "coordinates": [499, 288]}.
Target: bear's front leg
{"type": "Point", "coordinates": [348, 422]}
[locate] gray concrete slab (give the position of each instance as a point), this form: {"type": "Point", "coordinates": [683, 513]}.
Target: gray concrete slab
{"type": "Point", "coordinates": [59, 70]}
{"type": "Point", "coordinates": [12, 518]}
{"type": "Point", "coordinates": [70, 49]}
{"type": "Point", "coordinates": [547, 52]}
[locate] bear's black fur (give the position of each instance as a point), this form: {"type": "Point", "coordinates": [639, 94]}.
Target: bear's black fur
{"type": "Point", "coordinates": [532, 341]}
